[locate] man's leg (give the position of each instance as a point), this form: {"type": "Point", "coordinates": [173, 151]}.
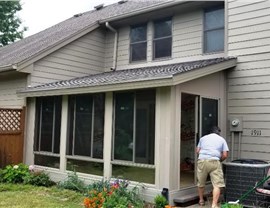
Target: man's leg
{"type": "Point", "coordinates": [216, 194]}
{"type": "Point", "coordinates": [201, 193]}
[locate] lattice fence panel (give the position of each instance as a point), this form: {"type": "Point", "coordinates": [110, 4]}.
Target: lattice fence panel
{"type": "Point", "coordinates": [10, 120]}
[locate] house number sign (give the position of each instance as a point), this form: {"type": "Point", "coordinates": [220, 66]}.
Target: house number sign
{"type": "Point", "coordinates": [256, 132]}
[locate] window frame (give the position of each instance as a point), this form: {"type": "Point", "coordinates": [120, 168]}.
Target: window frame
{"type": "Point", "coordinates": [38, 126]}
{"type": "Point", "coordinates": [133, 162]}
{"type": "Point", "coordinates": [162, 38]}
{"type": "Point", "coordinates": [131, 44]}
{"type": "Point", "coordinates": [70, 152]}
{"type": "Point", "coordinates": [211, 9]}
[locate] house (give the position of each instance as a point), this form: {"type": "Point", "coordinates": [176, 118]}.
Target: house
{"type": "Point", "coordinates": [126, 90]}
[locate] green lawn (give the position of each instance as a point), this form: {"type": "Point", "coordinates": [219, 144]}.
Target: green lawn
{"type": "Point", "coordinates": [26, 196]}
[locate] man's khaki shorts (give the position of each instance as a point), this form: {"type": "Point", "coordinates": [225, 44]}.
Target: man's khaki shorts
{"type": "Point", "coordinates": [212, 168]}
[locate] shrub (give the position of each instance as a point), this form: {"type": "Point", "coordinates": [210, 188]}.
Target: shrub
{"type": "Point", "coordinates": [14, 174]}
{"type": "Point", "coordinates": [160, 201]}
{"type": "Point", "coordinates": [38, 178]}
{"type": "Point", "coordinates": [72, 183]}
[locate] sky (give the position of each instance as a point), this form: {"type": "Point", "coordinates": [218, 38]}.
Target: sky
{"type": "Point", "coordinates": [38, 15]}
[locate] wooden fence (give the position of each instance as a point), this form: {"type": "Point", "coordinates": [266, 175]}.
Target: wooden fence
{"type": "Point", "coordinates": [11, 136]}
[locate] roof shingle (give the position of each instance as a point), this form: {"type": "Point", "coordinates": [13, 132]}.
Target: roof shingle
{"type": "Point", "coordinates": [28, 47]}
{"type": "Point", "coordinates": [129, 75]}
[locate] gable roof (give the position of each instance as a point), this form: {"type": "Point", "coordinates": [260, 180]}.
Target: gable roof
{"type": "Point", "coordinates": [154, 76]}
{"type": "Point", "coordinates": [11, 56]}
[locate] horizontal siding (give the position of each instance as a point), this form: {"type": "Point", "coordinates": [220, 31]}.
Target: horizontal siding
{"type": "Point", "coordinates": [80, 58]}
{"type": "Point", "coordinates": [8, 91]}
{"type": "Point", "coordinates": [249, 82]}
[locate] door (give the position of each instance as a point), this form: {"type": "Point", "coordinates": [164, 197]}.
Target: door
{"type": "Point", "coordinates": [198, 116]}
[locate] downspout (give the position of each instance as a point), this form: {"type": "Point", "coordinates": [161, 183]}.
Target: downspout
{"type": "Point", "coordinates": [115, 45]}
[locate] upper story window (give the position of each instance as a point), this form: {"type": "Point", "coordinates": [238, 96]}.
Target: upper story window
{"type": "Point", "coordinates": [214, 30]}
{"type": "Point", "coordinates": [138, 42]}
{"type": "Point", "coordinates": [162, 42]}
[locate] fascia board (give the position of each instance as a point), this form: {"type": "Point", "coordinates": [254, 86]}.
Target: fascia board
{"type": "Point", "coordinates": [58, 45]}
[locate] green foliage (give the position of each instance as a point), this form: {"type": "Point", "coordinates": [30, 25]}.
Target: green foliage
{"type": "Point", "coordinates": [14, 174]}
{"type": "Point", "coordinates": [227, 205]}
{"type": "Point", "coordinates": [10, 24]}
{"type": "Point", "coordinates": [160, 201]}
{"type": "Point", "coordinates": [38, 178]}
{"type": "Point", "coordinates": [72, 183]}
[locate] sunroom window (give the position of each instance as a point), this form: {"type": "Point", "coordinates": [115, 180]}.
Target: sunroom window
{"type": "Point", "coordinates": [134, 136]}
{"type": "Point", "coordinates": [138, 42]}
{"type": "Point", "coordinates": [162, 42]}
{"type": "Point", "coordinates": [47, 133]}
{"type": "Point", "coordinates": [85, 133]}
{"type": "Point", "coordinates": [214, 30]}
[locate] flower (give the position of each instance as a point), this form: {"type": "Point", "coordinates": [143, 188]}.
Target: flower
{"type": "Point", "coordinates": [31, 168]}
{"type": "Point", "coordinates": [15, 166]}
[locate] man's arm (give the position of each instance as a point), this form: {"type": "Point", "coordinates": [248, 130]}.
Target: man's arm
{"type": "Point", "coordinates": [198, 150]}
{"type": "Point", "coordinates": [224, 155]}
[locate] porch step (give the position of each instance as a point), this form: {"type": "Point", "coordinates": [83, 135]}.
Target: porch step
{"type": "Point", "coordinates": [188, 199]}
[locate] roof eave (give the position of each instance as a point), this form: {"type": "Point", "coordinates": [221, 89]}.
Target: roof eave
{"type": "Point", "coordinates": [161, 5]}
{"type": "Point", "coordinates": [9, 67]}
{"type": "Point", "coordinates": [188, 76]}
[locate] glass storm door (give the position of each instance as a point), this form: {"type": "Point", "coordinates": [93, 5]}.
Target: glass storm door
{"type": "Point", "coordinates": [209, 114]}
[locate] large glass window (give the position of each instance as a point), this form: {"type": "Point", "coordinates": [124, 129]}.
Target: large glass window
{"type": "Point", "coordinates": [138, 42]}
{"type": "Point", "coordinates": [162, 42]}
{"type": "Point", "coordinates": [214, 30]}
{"type": "Point", "coordinates": [86, 125]}
{"type": "Point", "coordinates": [47, 133]}
{"type": "Point", "coordinates": [134, 134]}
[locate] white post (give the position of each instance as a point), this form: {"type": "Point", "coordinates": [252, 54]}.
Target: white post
{"type": "Point", "coordinates": [63, 134]}
{"type": "Point", "coordinates": [107, 149]}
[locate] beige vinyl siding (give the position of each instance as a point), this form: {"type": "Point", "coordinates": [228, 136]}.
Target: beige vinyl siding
{"type": "Point", "coordinates": [187, 42]}
{"type": "Point", "coordinates": [80, 58]}
{"type": "Point", "coordinates": [9, 85]}
{"type": "Point", "coordinates": [249, 82]}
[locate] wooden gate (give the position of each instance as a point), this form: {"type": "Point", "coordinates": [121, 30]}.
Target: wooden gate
{"type": "Point", "coordinates": [11, 136]}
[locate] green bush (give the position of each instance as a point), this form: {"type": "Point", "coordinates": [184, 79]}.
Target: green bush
{"type": "Point", "coordinates": [14, 174]}
{"type": "Point", "coordinates": [160, 201]}
{"type": "Point", "coordinates": [38, 178]}
{"type": "Point", "coordinates": [72, 183]}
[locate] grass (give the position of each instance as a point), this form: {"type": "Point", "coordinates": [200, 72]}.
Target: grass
{"type": "Point", "coordinates": [25, 196]}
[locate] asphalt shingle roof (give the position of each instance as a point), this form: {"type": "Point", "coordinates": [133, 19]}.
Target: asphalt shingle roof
{"type": "Point", "coordinates": [129, 75]}
{"type": "Point", "coordinates": [28, 47]}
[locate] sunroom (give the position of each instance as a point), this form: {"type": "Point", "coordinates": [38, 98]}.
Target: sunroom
{"type": "Point", "coordinates": [138, 124]}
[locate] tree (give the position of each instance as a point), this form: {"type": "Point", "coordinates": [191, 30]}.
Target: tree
{"type": "Point", "coordinates": [10, 30]}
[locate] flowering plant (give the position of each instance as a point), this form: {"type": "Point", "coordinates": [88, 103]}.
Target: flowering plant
{"type": "Point", "coordinates": [107, 194]}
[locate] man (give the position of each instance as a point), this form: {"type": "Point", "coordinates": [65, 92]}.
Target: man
{"type": "Point", "coordinates": [212, 150]}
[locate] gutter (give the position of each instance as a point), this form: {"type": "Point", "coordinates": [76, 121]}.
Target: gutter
{"type": "Point", "coordinates": [9, 67]}
{"type": "Point", "coordinates": [113, 68]}
{"type": "Point", "coordinates": [162, 5]}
